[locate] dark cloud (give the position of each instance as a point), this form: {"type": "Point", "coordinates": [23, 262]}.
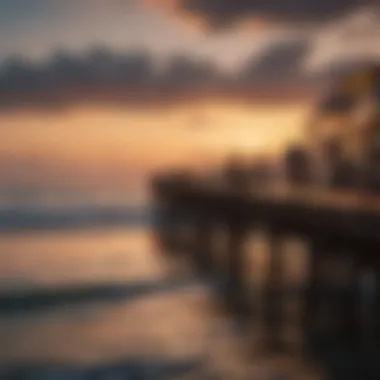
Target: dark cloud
{"type": "Point", "coordinates": [224, 12]}
{"type": "Point", "coordinates": [338, 69]}
{"type": "Point", "coordinates": [101, 75]}
{"type": "Point", "coordinates": [133, 79]}
{"type": "Point", "coordinates": [182, 70]}
{"type": "Point", "coordinates": [281, 63]}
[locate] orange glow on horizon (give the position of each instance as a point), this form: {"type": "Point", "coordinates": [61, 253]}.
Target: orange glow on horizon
{"type": "Point", "coordinates": [111, 147]}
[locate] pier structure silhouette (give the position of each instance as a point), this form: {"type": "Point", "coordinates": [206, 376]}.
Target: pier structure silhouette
{"type": "Point", "coordinates": [336, 226]}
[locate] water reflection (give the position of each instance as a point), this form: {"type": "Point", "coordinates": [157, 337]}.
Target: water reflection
{"type": "Point", "coordinates": [76, 256]}
{"type": "Point", "coordinates": [151, 321]}
{"type": "Point", "coordinates": [122, 304]}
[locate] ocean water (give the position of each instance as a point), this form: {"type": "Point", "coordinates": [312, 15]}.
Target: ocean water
{"type": "Point", "coordinates": [104, 299]}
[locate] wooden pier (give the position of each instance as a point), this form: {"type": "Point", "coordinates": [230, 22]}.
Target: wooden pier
{"type": "Point", "coordinates": [335, 225]}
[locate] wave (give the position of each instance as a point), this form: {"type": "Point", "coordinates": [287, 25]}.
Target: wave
{"type": "Point", "coordinates": [37, 218]}
{"type": "Point", "coordinates": [38, 299]}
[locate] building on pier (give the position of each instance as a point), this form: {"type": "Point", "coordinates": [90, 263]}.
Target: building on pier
{"type": "Point", "coordinates": [343, 137]}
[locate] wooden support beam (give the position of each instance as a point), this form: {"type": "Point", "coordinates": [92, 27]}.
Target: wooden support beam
{"type": "Point", "coordinates": [331, 307]}
{"type": "Point", "coordinates": [376, 308]}
{"type": "Point", "coordinates": [369, 296]}
{"type": "Point", "coordinates": [312, 284]}
{"type": "Point", "coordinates": [169, 222]}
{"type": "Point", "coordinates": [313, 290]}
{"type": "Point", "coordinates": [203, 255]}
{"type": "Point", "coordinates": [350, 315]}
{"type": "Point", "coordinates": [236, 265]}
{"type": "Point", "coordinates": [273, 297]}
{"type": "Point", "coordinates": [163, 226]}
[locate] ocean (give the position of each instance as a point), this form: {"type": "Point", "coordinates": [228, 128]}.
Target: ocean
{"type": "Point", "coordinates": [99, 298]}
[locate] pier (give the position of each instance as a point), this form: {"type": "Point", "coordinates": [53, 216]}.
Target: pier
{"type": "Point", "coordinates": [339, 300]}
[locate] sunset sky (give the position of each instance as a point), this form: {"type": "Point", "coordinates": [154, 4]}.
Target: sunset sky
{"type": "Point", "coordinates": [95, 94]}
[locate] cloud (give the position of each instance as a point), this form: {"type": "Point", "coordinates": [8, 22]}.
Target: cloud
{"type": "Point", "coordinates": [281, 62]}
{"type": "Point", "coordinates": [353, 38]}
{"type": "Point", "coordinates": [226, 12]}
{"type": "Point", "coordinates": [65, 78]}
{"type": "Point", "coordinates": [101, 76]}
{"type": "Point", "coordinates": [221, 13]}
